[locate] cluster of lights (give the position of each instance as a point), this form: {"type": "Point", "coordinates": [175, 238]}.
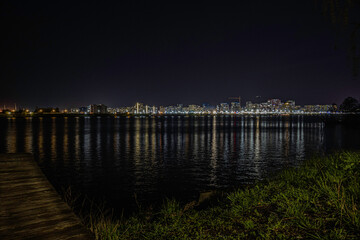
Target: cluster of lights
{"type": "Point", "coordinates": [272, 106]}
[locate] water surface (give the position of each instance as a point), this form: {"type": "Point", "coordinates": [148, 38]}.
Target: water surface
{"type": "Point", "coordinates": [115, 159]}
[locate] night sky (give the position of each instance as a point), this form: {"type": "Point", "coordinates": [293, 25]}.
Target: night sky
{"type": "Point", "coordinates": [76, 53]}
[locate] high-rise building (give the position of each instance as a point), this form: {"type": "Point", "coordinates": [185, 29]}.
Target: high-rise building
{"type": "Point", "coordinates": [139, 108]}
{"type": "Point", "coordinates": [207, 108]}
{"type": "Point", "coordinates": [83, 110]}
{"type": "Point", "coordinates": [235, 107]}
{"type": "Point", "coordinates": [274, 102]}
{"type": "Point", "coordinates": [154, 110]}
{"type": "Point", "coordinates": [288, 106]}
{"type": "Point", "coordinates": [291, 103]}
{"type": "Point", "coordinates": [223, 108]}
{"type": "Point", "coordinates": [97, 109]}
{"type": "Point", "coordinates": [194, 108]}
{"type": "Point", "coordinates": [161, 109]}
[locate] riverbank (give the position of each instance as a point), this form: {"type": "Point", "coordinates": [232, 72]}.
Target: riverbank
{"type": "Point", "coordinates": [319, 200]}
{"type": "Point", "coordinates": [116, 115]}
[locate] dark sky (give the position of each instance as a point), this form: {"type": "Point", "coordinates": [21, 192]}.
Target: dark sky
{"type": "Point", "coordinates": [74, 53]}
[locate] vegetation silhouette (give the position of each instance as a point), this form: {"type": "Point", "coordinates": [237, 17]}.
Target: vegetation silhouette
{"type": "Point", "coordinates": [350, 104]}
{"type": "Point", "coordinates": [344, 16]}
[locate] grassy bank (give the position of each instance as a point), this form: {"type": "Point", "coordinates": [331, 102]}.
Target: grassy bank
{"type": "Point", "coordinates": [319, 200]}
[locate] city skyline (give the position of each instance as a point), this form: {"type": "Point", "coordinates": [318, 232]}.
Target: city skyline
{"type": "Point", "coordinates": [256, 99]}
{"type": "Point", "coordinates": [227, 107]}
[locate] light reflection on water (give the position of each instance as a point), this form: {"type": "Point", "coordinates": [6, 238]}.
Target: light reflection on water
{"type": "Point", "coordinates": [162, 157]}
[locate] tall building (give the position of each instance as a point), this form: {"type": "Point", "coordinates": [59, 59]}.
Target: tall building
{"type": "Point", "coordinates": [223, 108]}
{"type": "Point", "coordinates": [274, 101]}
{"type": "Point", "coordinates": [139, 108]}
{"type": "Point", "coordinates": [194, 108]}
{"type": "Point", "coordinates": [291, 103]}
{"type": "Point", "coordinates": [248, 105]}
{"type": "Point", "coordinates": [235, 107]}
{"type": "Point", "coordinates": [97, 109]}
{"type": "Point", "coordinates": [161, 109]}
{"type": "Point", "coordinates": [179, 108]}
{"type": "Point", "coordinates": [288, 106]}
{"type": "Point", "coordinates": [154, 110]}
{"type": "Point", "coordinates": [170, 109]}
{"type": "Point", "coordinates": [208, 108]}
{"type": "Point", "coordinates": [83, 110]}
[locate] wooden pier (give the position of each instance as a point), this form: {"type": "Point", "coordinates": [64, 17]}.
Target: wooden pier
{"type": "Point", "coordinates": [30, 208]}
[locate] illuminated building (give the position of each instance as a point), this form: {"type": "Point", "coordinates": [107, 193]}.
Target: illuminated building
{"type": "Point", "coordinates": [97, 109]}
{"type": "Point", "coordinates": [235, 107]}
{"type": "Point", "coordinates": [139, 108]}
{"type": "Point", "coordinates": [47, 110]}
{"type": "Point", "coordinates": [223, 108]}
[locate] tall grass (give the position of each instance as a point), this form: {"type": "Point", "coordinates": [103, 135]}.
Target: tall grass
{"type": "Point", "coordinates": [318, 200]}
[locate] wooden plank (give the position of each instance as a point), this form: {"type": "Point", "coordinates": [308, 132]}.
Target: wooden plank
{"type": "Point", "coordinates": [30, 191]}
{"type": "Point", "coordinates": [21, 172]}
{"type": "Point", "coordinates": [19, 184]}
{"type": "Point", "coordinates": [10, 176]}
{"type": "Point", "coordinates": [31, 220]}
{"type": "Point", "coordinates": [17, 162]}
{"type": "Point", "coordinates": [14, 156]}
{"type": "Point", "coordinates": [23, 180]}
{"type": "Point", "coordinates": [33, 184]}
{"type": "Point", "coordinates": [47, 233]}
{"type": "Point", "coordinates": [23, 187]}
{"type": "Point", "coordinates": [30, 208]}
{"type": "Point", "coordinates": [18, 200]}
{"type": "Point", "coordinates": [32, 197]}
{"type": "Point", "coordinates": [40, 223]}
{"type": "Point", "coordinates": [20, 166]}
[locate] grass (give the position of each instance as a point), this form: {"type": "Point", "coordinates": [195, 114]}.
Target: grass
{"type": "Point", "coordinates": [318, 200]}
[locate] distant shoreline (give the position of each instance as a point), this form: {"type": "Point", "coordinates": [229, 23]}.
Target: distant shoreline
{"type": "Point", "coordinates": [3, 115]}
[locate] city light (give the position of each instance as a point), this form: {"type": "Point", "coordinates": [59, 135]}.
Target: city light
{"type": "Point", "coordinates": [270, 107]}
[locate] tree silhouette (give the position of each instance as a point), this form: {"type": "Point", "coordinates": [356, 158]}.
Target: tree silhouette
{"type": "Point", "coordinates": [344, 15]}
{"type": "Point", "coordinates": [350, 104]}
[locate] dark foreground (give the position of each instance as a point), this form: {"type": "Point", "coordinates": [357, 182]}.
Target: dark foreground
{"type": "Point", "coordinates": [30, 208]}
{"type": "Point", "coordinates": [319, 200]}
